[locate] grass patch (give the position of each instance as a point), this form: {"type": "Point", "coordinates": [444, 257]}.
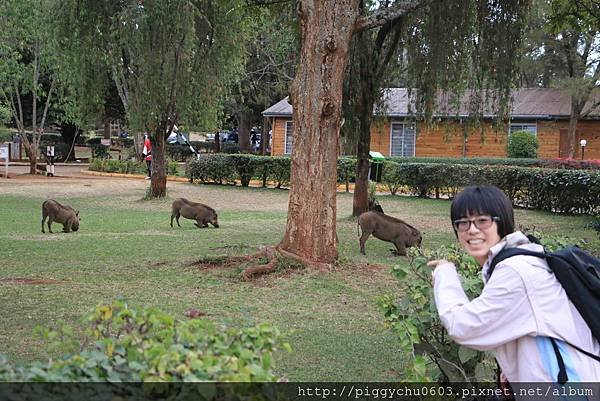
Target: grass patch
{"type": "Point", "coordinates": [126, 248]}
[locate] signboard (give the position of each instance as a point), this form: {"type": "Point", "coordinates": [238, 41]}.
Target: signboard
{"type": "Point", "coordinates": [4, 155]}
{"type": "Point", "coordinates": [50, 151]}
{"type": "Point", "coordinates": [105, 142]}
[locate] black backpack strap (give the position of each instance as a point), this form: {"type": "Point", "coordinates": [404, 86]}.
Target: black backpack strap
{"type": "Point", "coordinates": [509, 253]}
{"type": "Point", "coordinates": [562, 377]}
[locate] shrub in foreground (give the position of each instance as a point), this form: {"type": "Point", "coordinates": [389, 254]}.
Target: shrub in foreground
{"type": "Point", "coordinates": [132, 345]}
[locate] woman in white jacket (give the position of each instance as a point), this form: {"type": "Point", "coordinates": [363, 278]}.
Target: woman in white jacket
{"type": "Point", "coordinates": [522, 305]}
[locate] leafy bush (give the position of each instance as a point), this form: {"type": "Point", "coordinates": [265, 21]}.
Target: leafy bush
{"type": "Point", "coordinates": [131, 345]}
{"type": "Point", "coordinates": [245, 166]}
{"type": "Point", "coordinates": [230, 147]}
{"type": "Point", "coordinates": [522, 144]}
{"type": "Point", "coordinates": [434, 356]}
{"type": "Point", "coordinates": [279, 170]}
{"type": "Point", "coordinates": [172, 167]}
{"type": "Point", "coordinates": [177, 151]}
{"type": "Point", "coordinates": [99, 151]}
{"type": "Point", "coordinates": [5, 114]}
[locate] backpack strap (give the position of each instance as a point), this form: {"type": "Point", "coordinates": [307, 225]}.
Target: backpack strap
{"type": "Point", "coordinates": [509, 253]}
{"type": "Point", "coordinates": [562, 377]}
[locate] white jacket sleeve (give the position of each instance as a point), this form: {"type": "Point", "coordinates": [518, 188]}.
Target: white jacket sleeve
{"type": "Point", "coordinates": [500, 314]}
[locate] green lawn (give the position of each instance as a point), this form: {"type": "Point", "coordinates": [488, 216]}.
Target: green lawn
{"type": "Point", "coordinates": [126, 248]}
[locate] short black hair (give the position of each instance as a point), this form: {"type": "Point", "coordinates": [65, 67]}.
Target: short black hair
{"type": "Point", "coordinates": [484, 199]}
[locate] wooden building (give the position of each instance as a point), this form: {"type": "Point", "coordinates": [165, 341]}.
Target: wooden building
{"type": "Point", "coordinates": [396, 132]}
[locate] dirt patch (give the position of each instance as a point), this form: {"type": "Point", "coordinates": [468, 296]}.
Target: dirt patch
{"type": "Point", "coordinates": [29, 281]}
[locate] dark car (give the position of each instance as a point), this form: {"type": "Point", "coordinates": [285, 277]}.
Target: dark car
{"type": "Point", "coordinates": [231, 137]}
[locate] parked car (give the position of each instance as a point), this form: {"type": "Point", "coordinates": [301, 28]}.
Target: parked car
{"type": "Point", "coordinates": [231, 137]}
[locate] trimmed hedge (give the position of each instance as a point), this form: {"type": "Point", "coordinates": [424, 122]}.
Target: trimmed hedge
{"type": "Point", "coordinates": [131, 166]}
{"type": "Point", "coordinates": [222, 168]}
{"type": "Point", "coordinates": [523, 162]}
{"type": "Point", "coordinates": [556, 190]}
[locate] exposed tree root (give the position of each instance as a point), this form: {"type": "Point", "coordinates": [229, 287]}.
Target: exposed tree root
{"type": "Point", "coordinates": [305, 262]}
{"type": "Point", "coordinates": [273, 256]}
{"type": "Point", "coordinates": [249, 273]}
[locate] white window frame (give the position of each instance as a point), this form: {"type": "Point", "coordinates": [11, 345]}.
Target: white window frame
{"type": "Point", "coordinates": [285, 137]}
{"type": "Point", "coordinates": [403, 123]}
{"type": "Point", "coordinates": [523, 127]}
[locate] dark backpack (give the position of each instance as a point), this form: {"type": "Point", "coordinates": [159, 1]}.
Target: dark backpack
{"type": "Point", "coordinates": [579, 274]}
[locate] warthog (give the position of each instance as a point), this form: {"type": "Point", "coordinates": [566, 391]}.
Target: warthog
{"type": "Point", "coordinates": [390, 229]}
{"type": "Point", "coordinates": [65, 215]}
{"type": "Point", "coordinates": [202, 213]}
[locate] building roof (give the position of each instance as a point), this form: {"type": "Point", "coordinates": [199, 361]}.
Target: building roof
{"type": "Point", "coordinates": [527, 103]}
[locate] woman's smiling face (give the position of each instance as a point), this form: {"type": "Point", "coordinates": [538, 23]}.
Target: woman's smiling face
{"type": "Point", "coordinates": [477, 234]}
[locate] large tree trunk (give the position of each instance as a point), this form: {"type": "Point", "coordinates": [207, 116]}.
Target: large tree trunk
{"type": "Point", "coordinates": [364, 107]}
{"type": "Point", "coordinates": [576, 108]}
{"type": "Point", "coordinates": [32, 154]}
{"type": "Point", "coordinates": [244, 122]}
{"type": "Point", "coordinates": [31, 150]}
{"type": "Point", "coordinates": [326, 29]}
{"type": "Point", "coordinates": [158, 181]}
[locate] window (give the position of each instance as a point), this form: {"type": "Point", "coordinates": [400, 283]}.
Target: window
{"type": "Point", "coordinates": [403, 140]}
{"type": "Point", "coordinates": [523, 127]}
{"type": "Point", "coordinates": [289, 131]}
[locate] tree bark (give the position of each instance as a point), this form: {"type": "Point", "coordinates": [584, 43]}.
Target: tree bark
{"type": "Point", "coordinates": [364, 106]}
{"type": "Point", "coordinates": [244, 122]}
{"type": "Point", "coordinates": [326, 29]}
{"type": "Point", "coordinates": [158, 182]}
{"type": "Point", "coordinates": [32, 154]}
{"type": "Point", "coordinates": [576, 108]}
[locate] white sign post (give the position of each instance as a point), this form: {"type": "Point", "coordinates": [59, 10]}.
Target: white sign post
{"type": "Point", "coordinates": [4, 155]}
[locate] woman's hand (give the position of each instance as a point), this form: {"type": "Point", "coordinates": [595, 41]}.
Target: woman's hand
{"type": "Point", "coordinates": [435, 263]}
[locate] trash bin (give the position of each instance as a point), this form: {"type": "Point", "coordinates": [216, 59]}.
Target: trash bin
{"type": "Point", "coordinates": [375, 166]}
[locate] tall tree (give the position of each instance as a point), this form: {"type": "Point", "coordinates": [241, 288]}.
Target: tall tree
{"type": "Point", "coordinates": [451, 45]}
{"type": "Point", "coordinates": [27, 68]}
{"type": "Point", "coordinates": [171, 60]}
{"type": "Point", "coordinates": [326, 29]}
{"type": "Point", "coordinates": [562, 52]}
{"type": "Point", "coordinates": [575, 41]}
{"type": "Point", "coordinates": [269, 67]}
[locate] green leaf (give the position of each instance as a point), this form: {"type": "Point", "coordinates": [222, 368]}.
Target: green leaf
{"type": "Point", "coordinates": [466, 354]}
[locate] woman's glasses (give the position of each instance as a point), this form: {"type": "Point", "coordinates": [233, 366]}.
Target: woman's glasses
{"type": "Point", "coordinates": [481, 222]}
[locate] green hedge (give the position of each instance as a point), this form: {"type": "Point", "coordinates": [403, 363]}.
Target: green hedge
{"type": "Point", "coordinates": [127, 166]}
{"type": "Point", "coordinates": [523, 162]}
{"type": "Point", "coordinates": [556, 190]}
{"type": "Point", "coordinates": [222, 168]}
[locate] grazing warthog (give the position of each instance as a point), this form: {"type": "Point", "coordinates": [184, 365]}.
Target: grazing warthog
{"type": "Point", "coordinates": [388, 228]}
{"type": "Point", "coordinates": [65, 215]}
{"type": "Point", "coordinates": [196, 211]}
